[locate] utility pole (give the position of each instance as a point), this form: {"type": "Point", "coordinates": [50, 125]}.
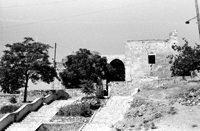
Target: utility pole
{"type": "Point", "coordinates": [198, 17]}
{"type": "Point", "coordinates": [54, 62]}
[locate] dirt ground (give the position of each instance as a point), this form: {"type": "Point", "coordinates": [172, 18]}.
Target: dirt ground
{"type": "Point", "coordinates": [170, 107]}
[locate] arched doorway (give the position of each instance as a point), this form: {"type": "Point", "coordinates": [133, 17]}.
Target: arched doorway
{"type": "Point", "coordinates": [117, 71]}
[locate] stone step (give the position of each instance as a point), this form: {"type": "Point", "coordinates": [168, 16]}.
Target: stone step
{"type": "Point", "coordinates": [44, 114]}
{"type": "Point", "coordinates": [111, 113]}
{"type": "Point", "coordinates": [24, 126]}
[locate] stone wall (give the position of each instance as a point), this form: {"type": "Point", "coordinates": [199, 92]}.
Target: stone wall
{"type": "Point", "coordinates": [31, 95]}
{"type": "Point", "coordinates": [137, 57]}
{"type": "Point", "coordinates": [110, 58]}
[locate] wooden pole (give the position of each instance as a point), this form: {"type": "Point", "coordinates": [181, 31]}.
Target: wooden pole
{"type": "Point", "coordinates": [54, 62]}
{"type": "Point", "coordinates": [198, 17]}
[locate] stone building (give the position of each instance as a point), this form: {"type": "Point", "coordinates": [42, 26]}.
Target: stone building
{"type": "Point", "coordinates": [147, 58]}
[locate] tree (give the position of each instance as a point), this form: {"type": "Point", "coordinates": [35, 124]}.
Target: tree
{"type": "Point", "coordinates": [10, 79]}
{"type": "Point", "coordinates": [24, 61]}
{"type": "Point", "coordinates": [82, 69]}
{"type": "Point", "coordinates": [186, 61]}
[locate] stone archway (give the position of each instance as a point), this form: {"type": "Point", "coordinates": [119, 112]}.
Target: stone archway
{"type": "Point", "coordinates": [118, 70]}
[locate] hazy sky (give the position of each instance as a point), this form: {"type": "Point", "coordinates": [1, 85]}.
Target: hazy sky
{"type": "Point", "coordinates": [98, 25]}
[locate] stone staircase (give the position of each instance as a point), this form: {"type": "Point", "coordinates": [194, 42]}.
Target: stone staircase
{"type": "Point", "coordinates": [103, 120]}
{"type": "Point", "coordinates": [111, 113]}
{"type": "Point", "coordinates": [44, 114]}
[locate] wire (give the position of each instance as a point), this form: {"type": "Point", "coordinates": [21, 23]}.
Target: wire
{"type": "Point", "coordinates": [64, 46]}
{"type": "Point", "coordinates": [57, 2]}
{"type": "Point", "coordinates": [84, 14]}
{"type": "Point", "coordinates": [60, 53]}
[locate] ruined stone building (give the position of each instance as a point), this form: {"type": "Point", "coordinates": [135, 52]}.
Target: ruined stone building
{"type": "Point", "coordinates": [147, 58]}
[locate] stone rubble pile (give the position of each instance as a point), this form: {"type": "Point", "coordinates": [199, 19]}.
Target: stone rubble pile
{"type": "Point", "coordinates": [191, 98]}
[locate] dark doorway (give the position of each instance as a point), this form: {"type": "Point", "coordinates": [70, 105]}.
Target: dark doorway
{"type": "Point", "coordinates": [116, 71]}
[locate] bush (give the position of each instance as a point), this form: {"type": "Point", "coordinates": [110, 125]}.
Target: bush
{"type": "Point", "coordinates": [93, 101]}
{"type": "Point", "coordinates": [76, 109]}
{"type": "Point", "coordinates": [88, 87]}
{"type": "Point", "coordinates": [13, 100]}
{"type": "Point", "coordinates": [172, 110]}
{"type": "Point", "coordinates": [157, 115]}
{"type": "Point", "coordinates": [8, 109]}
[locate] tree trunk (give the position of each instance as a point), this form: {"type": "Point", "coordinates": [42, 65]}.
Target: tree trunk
{"type": "Point", "coordinates": [25, 90]}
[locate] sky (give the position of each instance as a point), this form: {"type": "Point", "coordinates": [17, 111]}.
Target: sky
{"type": "Point", "coordinates": [98, 25]}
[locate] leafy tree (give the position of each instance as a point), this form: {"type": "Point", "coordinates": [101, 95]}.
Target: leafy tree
{"type": "Point", "coordinates": [87, 87]}
{"type": "Point", "coordinates": [24, 61]}
{"type": "Point", "coordinates": [82, 69]}
{"type": "Point", "coordinates": [11, 79]}
{"type": "Point", "coordinates": [186, 61]}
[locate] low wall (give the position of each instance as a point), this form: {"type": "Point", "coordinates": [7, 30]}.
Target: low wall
{"type": "Point", "coordinates": [25, 109]}
{"type": "Point", "coordinates": [48, 99]}
{"type": "Point", "coordinates": [75, 92]}
{"type": "Point", "coordinates": [156, 82]}
{"type": "Point", "coordinates": [31, 95]}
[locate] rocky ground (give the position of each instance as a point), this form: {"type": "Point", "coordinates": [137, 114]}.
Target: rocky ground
{"type": "Point", "coordinates": [170, 107]}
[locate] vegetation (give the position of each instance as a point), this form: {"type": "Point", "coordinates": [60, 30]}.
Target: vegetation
{"type": "Point", "coordinates": [82, 69]}
{"type": "Point", "coordinates": [84, 108]}
{"type": "Point", "coordinates": [8, 109]}
{"type": "Point", "coordinates": [76, 109]}
{"type": "Point", "coordinates": [186, 61]}
{"type": "Point", "coordinates": [93, 101]}
{"type": "Point", "coordinates": [88, 87]}
{"type": "Point", "coordinates": [24, 61]}
{"type": "Point", "coordinates": [13, 100]}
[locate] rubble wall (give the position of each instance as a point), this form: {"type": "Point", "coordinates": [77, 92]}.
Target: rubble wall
{"type": "Point", "coordinates": [137, 60]}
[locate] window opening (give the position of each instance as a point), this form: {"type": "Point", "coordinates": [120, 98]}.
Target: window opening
{"type": "Point", "coordinates": [151, 59]}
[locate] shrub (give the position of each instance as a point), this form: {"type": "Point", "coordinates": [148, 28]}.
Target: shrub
{"type": "Point", "coordinates": [75, 109]}
{"type": "Point", "coordinates": [93, 101]}
{"type": "Point", "coordinates": [157, 115]}
{"type": "Point", "coordinates": [13, 100]}
{"type": "Point", "coordinates": [194, 125]}
{"type": "Point", "coordinates": [172, 110]}
{"type": "Point", "coordinates": [8, 109]}
{"type": "Point", "coordinates": [153, 126]}
{"type": "Point", "coordinates": [95, 104]}
{"type": "Point", "coordinates": [88, 87]}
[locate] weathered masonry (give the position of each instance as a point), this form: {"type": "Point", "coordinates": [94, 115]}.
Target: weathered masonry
{"type": "Point", "coordinates": [147, 58]}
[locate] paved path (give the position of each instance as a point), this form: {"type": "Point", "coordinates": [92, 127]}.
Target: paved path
{"type": "Point", "coordinates": [111, 113]}
{"type": "Point", "coordinates": [35, 119]}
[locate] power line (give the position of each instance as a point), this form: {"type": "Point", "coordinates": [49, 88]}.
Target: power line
{"type": "Point", "coordinates": [60, 53]}
{"type": "Point", "coordinates": [36, 4]}
{"type": "Point", "coordinates": [84, 14]}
